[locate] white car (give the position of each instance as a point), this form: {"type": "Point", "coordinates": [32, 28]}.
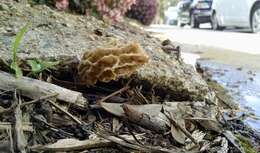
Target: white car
{"type": "Point", "coordinates": [236, 13]}
{"type": "Point", "coordinates": [171, 15]}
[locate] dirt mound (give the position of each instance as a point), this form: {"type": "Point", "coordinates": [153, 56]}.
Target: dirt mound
{"type": "Point", "coordinates": [57, 35]}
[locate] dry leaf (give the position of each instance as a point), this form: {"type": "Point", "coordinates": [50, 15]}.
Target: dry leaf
{"type": "Point", "coordinates": [177, 134]}
{"type": "Point", "coordinates": [199, 136]}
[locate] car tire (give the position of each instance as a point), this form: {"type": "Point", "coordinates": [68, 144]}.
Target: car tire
{"type": "Point", "coordinates": [182, 25]}
{"type": "Point", "coordinates": [255, 19]}
{"type": "Point", "coordinates": [214, 23]}
{"type": "Point", "coordinates": [193, 22]}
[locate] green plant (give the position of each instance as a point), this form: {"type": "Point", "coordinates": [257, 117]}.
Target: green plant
{"type": "Point", "coordinates": [246, 144]}
{"type": "Point", "coordinates": [37, 66]}
{"type": "Point", "coordinates": [15, 62]}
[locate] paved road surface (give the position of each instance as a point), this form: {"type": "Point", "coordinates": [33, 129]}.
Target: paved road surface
{"type": "Point", "coordinates": [235, 47]}
{"type": "Point", "coordinates": [229, 40]}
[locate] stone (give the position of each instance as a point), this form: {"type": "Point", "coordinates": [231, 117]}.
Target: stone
{"type": "Point", "coordinates": [3, 7]}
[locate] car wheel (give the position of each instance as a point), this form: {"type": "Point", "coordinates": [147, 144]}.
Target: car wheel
{"type": "Point", "coordinates": [193, 22]}
{"type": "Point", "coordinates": [181, 24]}
{"type": "Point", "coordinates": [255, 19]}
{"type": "Point", "coordinates": [214, 23]}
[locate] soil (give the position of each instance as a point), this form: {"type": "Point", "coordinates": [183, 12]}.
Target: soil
{"type": "Point", "coordinates": [55, 35]}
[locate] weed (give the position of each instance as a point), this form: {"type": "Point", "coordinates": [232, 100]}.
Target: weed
{"type": "Point", "coordinates": [15, 61]}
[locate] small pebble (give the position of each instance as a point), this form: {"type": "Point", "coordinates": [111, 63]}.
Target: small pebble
{"type": "Point", "coordinates": [8, 29]}
{"type": "Point", "coordinates": [3, 7]}
{"type": "Point", "coordinates": [239, 68]}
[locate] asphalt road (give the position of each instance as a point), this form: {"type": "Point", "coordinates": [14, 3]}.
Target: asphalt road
{"type": "Point", "coordinates": [235, 40]}
{"type": "Point", "coordinates": [234, 47]}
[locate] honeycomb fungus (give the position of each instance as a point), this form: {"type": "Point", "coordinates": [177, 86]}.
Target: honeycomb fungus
{"type": "Point", "coordinates": [106, 64]}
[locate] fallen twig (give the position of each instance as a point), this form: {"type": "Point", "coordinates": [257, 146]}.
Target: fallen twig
{"type": "Point", "coordinates": [113, 94]}
{"type": "Point", "coordinates": [10, 109]}
{"type": "Point", "coordinates": [5, 92]}
{"type": "Point", "coordinates": [74, 118]}
{"type": "Point", "coordinates": [34, 89]}
{"type": "Point", "coordinates": [112, 133]}
{"type": "Point", "coordinates": [39, 99]}
{"type": "Point", "coordinates": [74, 144]}
{"type": "Point", "coordinates": [137, 146]}
{"type": "Point", "coordinates": [233, 140]}
{"type": "Point", "coordinates": [140, 97]}
{"type": "Point", "coordinates": [199, 119]}
{"type": "Point", "coordinates": [51, 127]}
{"type": "Point", "coordinates": [131, 132]}
{"type": "Point", "coordinates": [180, 127]}
{"type": "Point", "coordinates": [7, 110]}
{"type": "Point", "coordinates": [10, 133]}
{"type": "Point", "coordinates": [8, 125]}
{"type": "Point", "coordinates": [18, 128]}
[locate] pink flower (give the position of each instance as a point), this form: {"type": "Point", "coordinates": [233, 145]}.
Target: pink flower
{"type": "Point", "coordinates": [113, 9]}
{"type": "Point", "coordinates": [61, 4]}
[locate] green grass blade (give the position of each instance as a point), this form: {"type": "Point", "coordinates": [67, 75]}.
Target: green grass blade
{"type": "Point", "coordinates": [15, 45]}
{"type": "Point", "coordinates": [18, 71]}
{"type": "Point", "coordinates": [18, 39]}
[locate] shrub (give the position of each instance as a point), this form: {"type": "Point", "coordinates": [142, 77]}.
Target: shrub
{"type": "Point", "coordinates": [143, 11]}
{"type": "Point", "coordinates": [111, 9]}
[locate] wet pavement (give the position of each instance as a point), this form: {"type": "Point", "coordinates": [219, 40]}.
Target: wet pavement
{"type": "Point", "coordinates": [242, 84]}
{"type": "Point", "coordinates": [235, 66]}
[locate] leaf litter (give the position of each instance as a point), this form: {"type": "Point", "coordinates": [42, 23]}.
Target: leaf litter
{"type": "Point", "coordinates": [100, 108]}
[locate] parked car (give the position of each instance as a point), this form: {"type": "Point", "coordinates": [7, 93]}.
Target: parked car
{"type": "Point", "coordinates": [194, 12]}
{"type": "Point", "coordinates": [171, 15]}
{"type": "Point", "coordinates": [236, 13]}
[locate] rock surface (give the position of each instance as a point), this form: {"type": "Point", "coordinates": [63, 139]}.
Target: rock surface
{"type": "Point", "coordinates": [57, 34]}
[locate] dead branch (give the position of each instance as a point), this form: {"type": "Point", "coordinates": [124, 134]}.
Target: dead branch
{"type": "Point", "coordinates": [73, 144]}
{"type": "Point", "coordinates": [74, 118]}
{"type": "Point", "coordinates": [113, 94]}
{"type": "Point", "coordinates": [7, 110]}
{"type": "Point", "coordinates": [39, 99]}
{"type": "Point", "coordinates": [181, 128]}
{"type": "Point", "coordinates": [8, 125]}
{"type": "Point", "coordinates": [234, 141]}
{"type": "Point", "coordinates": [19, 138]}
{"type": "Point", "coordinates": [34, 89]}
{"type": "Point", "coordinates": [137, 146]}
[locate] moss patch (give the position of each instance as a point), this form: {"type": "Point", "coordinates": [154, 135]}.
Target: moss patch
{"type": "Point", "coordinates": [246, 144]}
{"type": "Point", "coordinates": [225, 100]}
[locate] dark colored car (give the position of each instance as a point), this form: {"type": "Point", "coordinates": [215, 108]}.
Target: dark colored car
{"type": "Point", "coordinates": [194, 12]}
